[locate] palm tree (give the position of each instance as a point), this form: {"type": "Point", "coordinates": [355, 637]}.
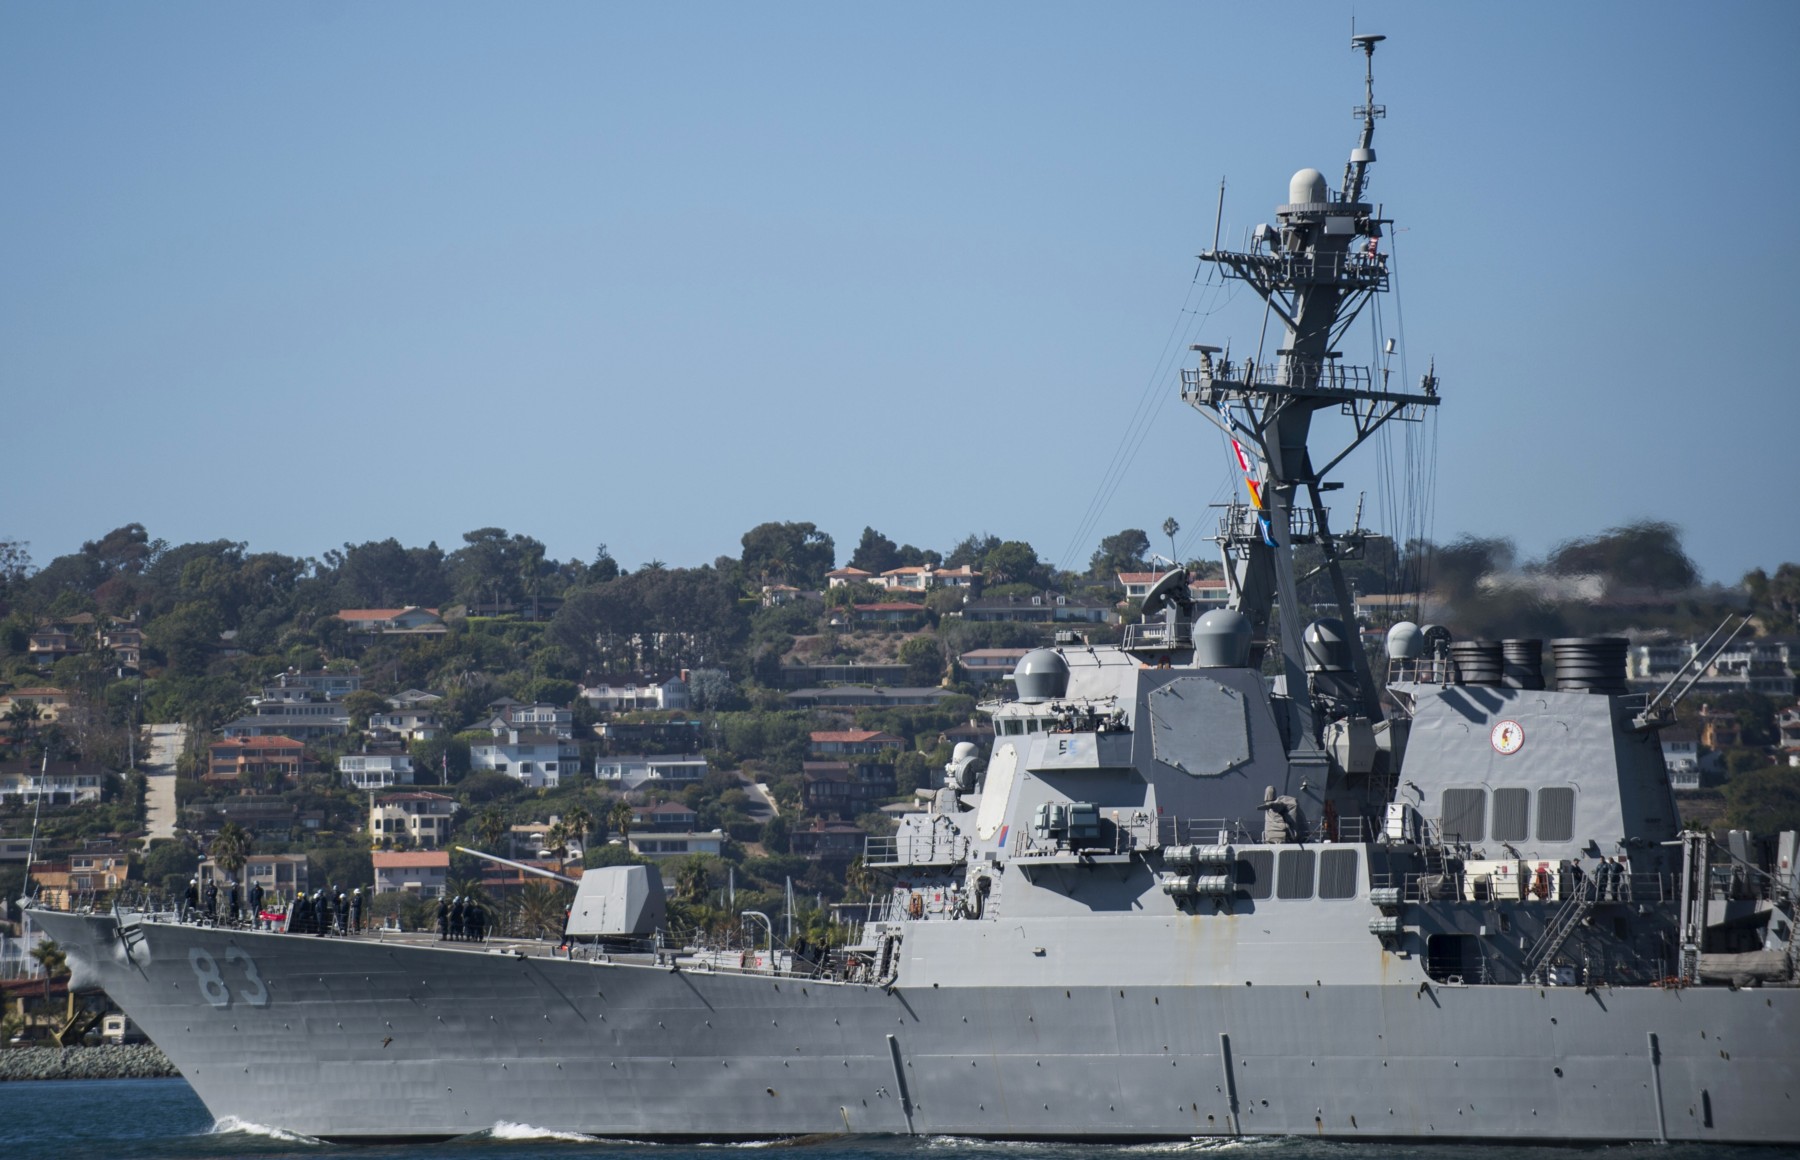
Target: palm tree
{"type": "Point", "coordinates": [1170, 527]}
{"type": "Point", "coordinates": [490, 828]}
{"type": "Point", "coordinates": [692, 879]}
{"type": "Point", "coordinates": [556, 838]}
{"type": "Point", "coordinates": [230, 849]}
{"type": "Point", "coordinates": [620, 819]}
{"type": "Point", "coordinates": [541, 910]}
{"type": "Point", "coordinates": [50, 957]}
{"type": "Point", "coordinates": [580, 821]}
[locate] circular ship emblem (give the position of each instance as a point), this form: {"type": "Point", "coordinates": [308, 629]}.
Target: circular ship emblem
{"type": "Point", "coordinates": [1507, 737]}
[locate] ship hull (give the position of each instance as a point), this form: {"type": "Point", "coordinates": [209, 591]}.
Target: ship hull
{"type": "Point", "coordinates": [359, 1039]}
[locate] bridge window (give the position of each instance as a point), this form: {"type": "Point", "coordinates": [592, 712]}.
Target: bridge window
{"type": "Point", "coordinates": [1465, 815]}
{"type": "Point", "coordinates": [1294, 874]}
{"type": "Point", "coordinates": [1556, 813]}
{"type": "Point", "coordinates": [1510, 809]}
{"type": "Point", "coordinates": [1337, 874]}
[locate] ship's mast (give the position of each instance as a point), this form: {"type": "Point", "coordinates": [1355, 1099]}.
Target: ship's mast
{"type": "Point", "coordinates": [1315, 270]}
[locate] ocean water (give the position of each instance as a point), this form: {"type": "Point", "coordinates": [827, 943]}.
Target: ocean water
{"type": "Point", "coordinates": [162, 1118]}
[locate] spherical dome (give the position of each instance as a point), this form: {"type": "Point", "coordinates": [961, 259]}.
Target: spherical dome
{"type": "Point", "coordinates": [1405, 641]}
{"type": "Point", "coordinates": [964, 751]}
{"type": "Point", "coordinates": [1042, 674]}
{"type": "Point", "coordinates": [1308, 185]}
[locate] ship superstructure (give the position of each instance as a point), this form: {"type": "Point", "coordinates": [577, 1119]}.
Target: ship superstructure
{"type": "Point", "coordinates": [1179, 898]}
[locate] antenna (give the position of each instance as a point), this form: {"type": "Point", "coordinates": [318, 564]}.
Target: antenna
{"type": "Point", "coordinates": [1356, 169]}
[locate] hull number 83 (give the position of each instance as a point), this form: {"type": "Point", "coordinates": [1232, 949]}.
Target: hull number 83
{"type": "Point", "coordinates": [212, 980]}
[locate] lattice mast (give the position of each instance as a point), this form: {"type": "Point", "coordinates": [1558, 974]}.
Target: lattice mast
{"type": "Point", "coordinates": [1315, 270]}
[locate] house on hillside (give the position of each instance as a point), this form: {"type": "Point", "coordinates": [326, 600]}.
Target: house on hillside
{"type": "Point", "coordinates": [376, 770]}
{"type": "Point", "coordinates": [1044, 608]}
{"type": "Point", "coordinates": [51, 703]}
{"type": "Point", "coordinates": [844, 789]}
{"type": "Point", "coordinates": [630, 694]}
{"type": "Point", "coordinates": [984, 666]}
{"type": "Point", "coordinates": [267, 762]}
{"type": "Point", "coordinates": [420, 819]}
{"type": "Point", "coordinates": [283, 876]}
{"type": "Point", "coordinates": [409, 621]}
{"type": "Point", "coordinates": [835, 743]}
{"type": "Point", "coordinates": [62, 783]}
{"type": "Point", "coordinates": [537, 757]}
{"type": "Point", "coordinates": [629, 771]}
{"type": "Point", "coordinates": [889, 614]}
{"type": "Point", "coordinates": [508, 713]}
{"type": "Point", "coordinates": [664, 817]}
{"type": "Point", "coordinates": [863, 696]}
{"type": "Point", "coordinates": [840, 577]}
{"type": "Point", "coordinates": [420, 872]}
{"type": "Point", "coordinates": [826, 841]}
{"type": "Point", "coordinates": [663, 845]}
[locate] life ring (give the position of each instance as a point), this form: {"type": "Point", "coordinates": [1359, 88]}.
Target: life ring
{"type": "Point", "coordinates": [915, 906]}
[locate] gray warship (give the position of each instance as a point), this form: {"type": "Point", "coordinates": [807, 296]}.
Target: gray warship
{"type": "Point", "coordinates": [1181, 898]}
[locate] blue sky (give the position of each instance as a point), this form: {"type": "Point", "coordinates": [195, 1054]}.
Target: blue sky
{"type": "Point", "coordinates": [651, 274]}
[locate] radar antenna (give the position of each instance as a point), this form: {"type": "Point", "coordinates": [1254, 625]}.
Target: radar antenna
{"type": "Point", "coordinates": [1357, 168]}
{"type": "Point", "coordinates": [1315, 269]}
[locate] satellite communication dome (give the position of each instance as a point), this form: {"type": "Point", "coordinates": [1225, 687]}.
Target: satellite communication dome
{"type": "Point", "coordinates": [1306, 186]}
{"type": "Point", "coordinates": [1042, 675]}
{"type": "Point", "coordinates": [1405, 641]}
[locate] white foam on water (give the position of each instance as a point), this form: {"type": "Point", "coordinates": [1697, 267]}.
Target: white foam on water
{"type": "Point", "coordinates": [506, 1130]}
{"type": "Point", "coordinates": [232, 1124]}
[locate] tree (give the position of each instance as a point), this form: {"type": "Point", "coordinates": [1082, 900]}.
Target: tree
{"type": "Point", "coordinates": [580, 821]}
{"type": "Point", "coordinates": [788, 553]}
{"type": "Point", "coordinates": [924, 659]}
{"type": "Point", "coordinates": [490, 828]}
{"type": "Point", "coordinates": [1121, 552]}
{"type": "Point", "coordinates": [971, 550]}
{"type": "Point", "coordinates": [1764, 801]}
{"type": "Point", "coordinates": [619, 818]}
{"type": "Point", "coordinates": [875, 553]}
{"type": "Point", "coordinates": [360, 704]}
{"type": "Point", "coordinates": [604, 569]}
{"type": "Point", "coordinates": [1169, 528]}
{"type": "Point", "coordinates": [1015, 562]}
{"type": "Point", "coordinates": [711, 690]}
{"type": "Point", "coordinates": [230, 849]}
{"type": "Point", "coordinates": [557, 840]}
{"type": "Point", "coordinates": [542, 909]}
{"type": "Point", "coordinates": [52, 959]}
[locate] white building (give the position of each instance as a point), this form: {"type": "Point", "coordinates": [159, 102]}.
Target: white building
{"type": "Point", "coordinates": [634, 771]}
{"type": "Point", "coordinates": [654, 845]}
{"type": "Point", "coordinates": [534, 756]}
{"type": "Point", "coordinates": [626, 694]}
{"type": "Point", "coordinates": [376, 770]}
{"type": "Point", "coordinates": [422, 819]}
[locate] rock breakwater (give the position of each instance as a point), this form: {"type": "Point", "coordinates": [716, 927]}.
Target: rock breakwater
{"type": "Point", "coordinates": [126, 1061]}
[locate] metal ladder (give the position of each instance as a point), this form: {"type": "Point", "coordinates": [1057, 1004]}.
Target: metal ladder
{"type": "Point", "coordinates": [1567, 918]}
